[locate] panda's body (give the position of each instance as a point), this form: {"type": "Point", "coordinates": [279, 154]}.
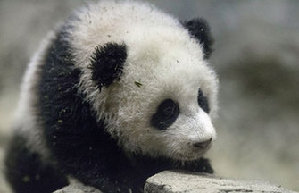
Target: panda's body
{"type": "Point", "coordinates": [119, 92]}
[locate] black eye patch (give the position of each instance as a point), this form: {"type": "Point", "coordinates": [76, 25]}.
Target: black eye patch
{"type": "Point", "coordinates": [166, 114]}
{"type": "Point", "coordinates": [203, 101]}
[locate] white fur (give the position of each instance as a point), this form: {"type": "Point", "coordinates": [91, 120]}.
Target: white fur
{"type": "Point", "coordinates": [25, 117]}
{"type": "Point", "coordinates": [164, 58]}
{"type": "Point", "coordinates": [161, 56]}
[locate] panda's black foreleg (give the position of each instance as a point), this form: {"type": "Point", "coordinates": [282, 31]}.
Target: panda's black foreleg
{"type": "Point", "coordinates": [201, 165]}
{"type": "Point", "coordinates": [25, 171]}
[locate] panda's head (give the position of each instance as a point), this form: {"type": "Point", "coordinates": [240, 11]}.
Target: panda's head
{"type": "Point", "coordinates": [146, 76]}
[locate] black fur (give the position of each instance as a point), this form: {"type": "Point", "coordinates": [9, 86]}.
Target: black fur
{"type": "Point", "coordinates": [26, 172]}
{"type": "Point", "coordinates": [203, 101]}
{"type": "Point", "coordinates": [79, 143]}
{"type": "Point", "coordinates": [107, 63]}
{"type": "Point", "coordinates": [200, 29]}
{"type": "Point", "coordinates": [167, 113]}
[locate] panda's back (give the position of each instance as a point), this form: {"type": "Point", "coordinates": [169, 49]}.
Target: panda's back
{"type": "Point", "coordinates": [26, 121]}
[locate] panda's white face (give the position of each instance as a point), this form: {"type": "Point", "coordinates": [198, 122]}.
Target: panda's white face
{"type": "Point", "coordinates": [163, 102]}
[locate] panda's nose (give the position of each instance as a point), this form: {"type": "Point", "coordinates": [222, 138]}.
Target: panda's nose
{"type": "Point", "coordinates": [203, 144]}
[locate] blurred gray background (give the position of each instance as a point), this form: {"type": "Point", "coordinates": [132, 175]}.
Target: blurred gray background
{"type": "Point", "coordinates": [256, 56]}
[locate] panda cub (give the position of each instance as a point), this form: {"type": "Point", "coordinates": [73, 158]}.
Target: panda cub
{"type": "Point", "coordinates": [119, 92]}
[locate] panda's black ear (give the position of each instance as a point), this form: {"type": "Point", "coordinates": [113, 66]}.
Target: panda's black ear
{"type": "Point", "coordinates": [200, 29]}
{"type": "Point", "coordinates": [107, 63]}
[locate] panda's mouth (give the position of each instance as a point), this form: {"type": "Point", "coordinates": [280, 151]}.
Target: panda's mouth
{"type": "Point", "coordinates": [185, 157]}
{"type": "Point", "coordinates": [193, 154]}
{"type": "Point", "coordinates": [189, 156]}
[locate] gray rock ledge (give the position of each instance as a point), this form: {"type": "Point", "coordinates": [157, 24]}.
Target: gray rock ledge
{"type": "Point", "coordinates": [77, 187]}
{"type": "Point", "coordinates": [182, 182]}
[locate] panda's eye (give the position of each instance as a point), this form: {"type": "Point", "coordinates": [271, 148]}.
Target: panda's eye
{"type": "Point", "coordinates": [203, 101]}
{"type": "Point", "coordinates": [166, 114]}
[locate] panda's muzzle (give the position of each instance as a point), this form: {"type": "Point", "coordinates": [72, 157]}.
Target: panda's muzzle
{"type": "Point", "coordinates": [203, 144]}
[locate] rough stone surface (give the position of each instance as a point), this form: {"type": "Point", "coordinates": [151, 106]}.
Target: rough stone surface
{"type": "Point", "coordinates": [182, 182]}
{"type": "Point", "coordinates": [76, 187]}
{"type": "Point", "coordinates": [178, 182]}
